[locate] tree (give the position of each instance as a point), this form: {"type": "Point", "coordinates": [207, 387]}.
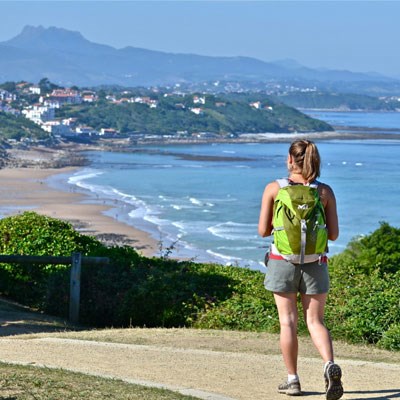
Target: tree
{"type": "Point", "coordinates": [9, 86]}
{"type": "Point", "coordinates": [46, 86]}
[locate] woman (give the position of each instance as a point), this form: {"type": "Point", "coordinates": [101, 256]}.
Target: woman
{"type": "Point", "coordinates": [285, 279]}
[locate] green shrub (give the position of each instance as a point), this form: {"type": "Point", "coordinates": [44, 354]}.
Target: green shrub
{"type": "Point", "coordinates": [364, 301]}
{"type": "Point", "coordinates": [391, 338]}
{"type": "Point", "coordinates": [379, 250]}
{"type": "Point", "coordinates": [249, 307]}
{"type": "Point", "coordinates": [132, 290]}
{"type": "Point", "coordinates": [33, 234]}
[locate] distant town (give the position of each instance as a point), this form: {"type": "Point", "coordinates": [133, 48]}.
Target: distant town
{"type": "Point", "coordinates": [219, 110]}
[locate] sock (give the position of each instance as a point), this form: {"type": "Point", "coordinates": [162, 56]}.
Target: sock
{"type": "Point", "coordinates": [326, 365]}
{"type": "Point", "coordinates": [292, 378]}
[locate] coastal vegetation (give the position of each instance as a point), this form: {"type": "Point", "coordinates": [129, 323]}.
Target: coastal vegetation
{"type": "Point", "coordinates": [48, 114]}
{"type": "Point", "coordinates": [134, 290]}
{"type": "Point", "coordinates": [194, 113]}
{"type": "Point", "coordinates": [47, 111]}
{"type": "Point", "coordinates": [17, 128]}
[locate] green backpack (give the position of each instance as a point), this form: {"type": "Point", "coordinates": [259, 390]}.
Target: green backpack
{"type": "Point", "coordinates": [300, 233]}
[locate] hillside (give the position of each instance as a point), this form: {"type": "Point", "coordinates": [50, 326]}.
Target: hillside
{"type": "Point", "coordinates": [338, 101]}
{"type": "Point", "coordinates": [66, 57]}
{"type": "Point", "coordinates": [17, 127]}
{"type": "Point", "coordinates": [216, 115]}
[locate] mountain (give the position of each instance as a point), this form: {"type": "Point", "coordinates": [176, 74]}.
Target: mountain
{"type": "Point", "coordinates": [67, 58]}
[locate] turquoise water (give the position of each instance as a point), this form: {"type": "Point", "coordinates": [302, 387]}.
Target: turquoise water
{"type": "Point", "coordinates": [209, 207]}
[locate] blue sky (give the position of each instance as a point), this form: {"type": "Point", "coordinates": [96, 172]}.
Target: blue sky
{"type": "Point", "coordinates": [355, 35]}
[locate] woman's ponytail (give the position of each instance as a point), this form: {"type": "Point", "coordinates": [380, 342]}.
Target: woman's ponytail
{"type": "Point", "coordinates": [306, 157]}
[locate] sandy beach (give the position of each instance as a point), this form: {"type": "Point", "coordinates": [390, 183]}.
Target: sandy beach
{"type": "Point", "coordinates": [25, 189]}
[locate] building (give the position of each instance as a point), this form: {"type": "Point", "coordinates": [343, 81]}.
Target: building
{"type": "Point", "coordinates": [108, 132]}
{"type": "Point", "coordinates": [39, 113]}
{"type": "Point", "coordinates": [86, 130]}
{"type": "Point", "coordinates": [199, 100]}
{"type": "Point", "coordinates": [196, 110]}
{"type": "Point", "coordinates": [256, 104]}
{"type": "Point", "coordinates": [34, 89]}
{"type": "Point", "coordinates": [64, 96]}
{"type": "Point", "coordinates": [7, 96]}
{"type": "Point", "coordinates": [56, 128]}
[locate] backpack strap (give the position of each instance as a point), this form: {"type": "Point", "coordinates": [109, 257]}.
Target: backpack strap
{"type": "Point", "coordinates": [283, 182]}
{"type": "Point", "coordinates": [314, 184]}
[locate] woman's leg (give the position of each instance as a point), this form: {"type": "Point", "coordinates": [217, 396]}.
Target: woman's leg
{"type": "Point", "coordinates": [288, 316]}
{"type": "Point", "coordinates": [314, 306]}
{"type": "Point", "coordinates": [314, 310]}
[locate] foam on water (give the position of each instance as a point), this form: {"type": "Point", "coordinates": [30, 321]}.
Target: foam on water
{"type": "Point", "coordinates": [211, 212]}
{"type": "Point", "coordinates": [232, 230]}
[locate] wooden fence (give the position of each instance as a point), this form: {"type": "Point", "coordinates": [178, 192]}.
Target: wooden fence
{"type": "Point", "coordinates": [76, 260]}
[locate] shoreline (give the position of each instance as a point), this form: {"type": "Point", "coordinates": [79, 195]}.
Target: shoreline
{"type": "Point", "coordinates": [31, 182]}
{"type": "Point", "coordinates": [28, 189]}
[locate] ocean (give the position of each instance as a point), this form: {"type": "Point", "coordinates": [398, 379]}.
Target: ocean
{"type": "Point", "coordinates": [202, 201]}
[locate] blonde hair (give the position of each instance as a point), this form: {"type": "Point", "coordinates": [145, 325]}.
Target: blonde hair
{"type": "Point", "coordinates": [306, 158]}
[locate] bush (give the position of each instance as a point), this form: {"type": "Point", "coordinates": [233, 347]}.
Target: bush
{"type": "Point", "coordinates": [32, 234]}
{"type": "Point", "coordinates": [391, 338]}
{"type": "Point", "coordinates": [131, 290]}
{"type": "Point", "coordinates": [363, 304]}
{"type": "Point", "coordinates": [364, 300]}
{"type": "Point", "coordinates": [378, 251]}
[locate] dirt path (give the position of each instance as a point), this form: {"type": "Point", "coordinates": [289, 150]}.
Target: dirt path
{"type": "Point", "coordinates": [214, 365]}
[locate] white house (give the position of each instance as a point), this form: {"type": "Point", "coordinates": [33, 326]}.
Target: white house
{"type": "Point", "coordinates": [199, 100]}
{"type": "Point", "coordinates": [39, 114]}
{"type": "Point", "coordinates": [34, 89]}
{"type": "Point", "coordinates": [7, 96]}
{"type": "Point", "coordinates": [65, 96]}
{"type": "Point", "coordinates": [56, 128]}
{"type": "Point", "coordinates": [256, 104]}
{"type": "Point", "coordinates": [196, 110]}
{"type": "Point", "coordinates": [108, 132]}
{"type": "Point", "coordinates": [85, 130]}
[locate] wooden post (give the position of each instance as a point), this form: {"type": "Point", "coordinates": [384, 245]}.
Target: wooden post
{"type": "Point", "coordinates": [75, 280]}
{"type": "Point", "coordinates": [75, 288]}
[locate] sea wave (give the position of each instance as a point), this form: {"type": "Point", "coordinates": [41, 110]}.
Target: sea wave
{"type": "Point", "coordinates": [200, 203]}
{"type": "Point", "coordinates": [229, 260]}
{"type": "Point", "coordinates": [80, 180]}
{"type": "Point", "coordinates": [233, 231]}
{"type": "Point", "coordinates": [79, 177]}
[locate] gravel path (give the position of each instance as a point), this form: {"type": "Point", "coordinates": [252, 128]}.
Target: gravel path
{"type": "Point", "coordinates": [204, 373]}
{"type": "Point", "coordinates": [213, 365]}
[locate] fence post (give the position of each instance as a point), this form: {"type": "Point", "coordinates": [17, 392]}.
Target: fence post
{"type": "Point", "coordinates": [75, 288]}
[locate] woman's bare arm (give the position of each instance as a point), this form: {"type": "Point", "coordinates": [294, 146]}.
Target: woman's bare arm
{"type": "Point", "coordinates": [267, 207]}
{"type": "Point", "coordinates": [329, 201]}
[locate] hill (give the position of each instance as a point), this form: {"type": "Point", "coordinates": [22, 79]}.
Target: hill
{"type": "Point", "coordinates": [66, 57]}
{"type": "Point", "coordinates": [222, 115]}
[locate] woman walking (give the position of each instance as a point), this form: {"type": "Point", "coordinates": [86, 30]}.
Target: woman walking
{"type": "Point", "coordinates": [305, 271]}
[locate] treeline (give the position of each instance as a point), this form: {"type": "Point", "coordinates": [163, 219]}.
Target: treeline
{"type": "Point", "coordinates": [134, 290]}
{"type": "Point", "coordinates": [338, 101]}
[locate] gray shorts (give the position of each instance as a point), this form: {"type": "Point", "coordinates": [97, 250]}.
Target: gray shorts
{"type": "Point", "coordinates": [284, 277]}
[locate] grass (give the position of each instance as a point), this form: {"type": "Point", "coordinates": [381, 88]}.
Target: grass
{"type": "Point", "coordinates": [32, 383]}
{"type": "Point", "coordinates": [27, 382]}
